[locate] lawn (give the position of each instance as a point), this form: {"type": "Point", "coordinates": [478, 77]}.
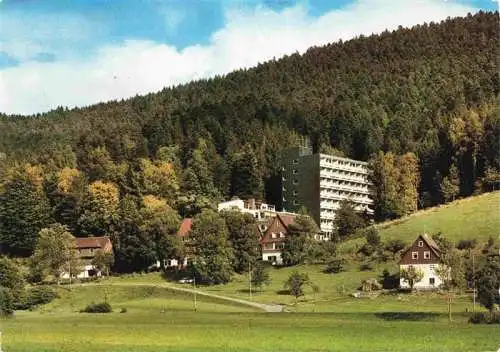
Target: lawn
{"type": "Point", "coordinates": [158, 319]}
{"type": "Point", "coordinates": [474, 217]}
{"type": "Point", "coordinates": [185, 331]}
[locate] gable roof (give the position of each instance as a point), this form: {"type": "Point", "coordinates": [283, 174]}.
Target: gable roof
{"type": "Point", "coordinates": [430, 242]}
{"type": "Point", "coordinates": [185, 227]}
{"type": "Point", "coordinates": [91, 242]}
{"type": "Point", "coordinates": [286, 219]}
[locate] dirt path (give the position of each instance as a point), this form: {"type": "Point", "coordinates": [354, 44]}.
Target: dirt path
{"type": "Point", "coordinates": [270, 308]}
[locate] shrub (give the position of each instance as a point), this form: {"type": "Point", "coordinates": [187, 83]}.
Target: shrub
{"type": "Point", "coordinates": [103, 307]}
{"type": "Point", "coordinates": [366, 267]}
{"type": "Point", "coordinates": [467, 244]}
{"type": "Point", "coordinates": [123, 310]}
{"type": "Point", "coordinates": [367, 249]}
{"type": "Point", "coordinates": [334, 266]}
{"type": "Point", "coordinates": [478, 318]}
{"type": "Point", "coordinates": [6, 302]}
{"type": "Point", "coordinates": [41, 295]}
{"type": "Point", "coordinates": [495, 318]}
{"type": "Point", "coordinates": [394, 246]}
{"type": "Point", "coordinates": [372, 237]}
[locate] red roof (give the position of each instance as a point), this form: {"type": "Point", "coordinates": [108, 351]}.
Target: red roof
{"type": "Point", "coordinates": [185, 227]}
{"type": "Point", "coordinates": [286, 219]}
{"type": "Point", "coordinates": [91, 242]}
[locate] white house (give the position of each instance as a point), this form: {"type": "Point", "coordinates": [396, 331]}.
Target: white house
{"type": "Point", "coordinates": [424, 255]}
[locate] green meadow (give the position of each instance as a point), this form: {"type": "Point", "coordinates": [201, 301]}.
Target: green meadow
{"type": "Point", "coordinates": [160, 319]}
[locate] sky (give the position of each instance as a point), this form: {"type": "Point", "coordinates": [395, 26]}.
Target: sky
{"type": "Point", "coordinates": [80, 52]}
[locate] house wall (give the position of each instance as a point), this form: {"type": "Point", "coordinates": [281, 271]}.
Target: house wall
{"type": "Point", "coordinates": [429, 273]}
{"type": "Point", "coordinates": [84, 273]}
{"type": "Point", "coordinates": [272, 256]}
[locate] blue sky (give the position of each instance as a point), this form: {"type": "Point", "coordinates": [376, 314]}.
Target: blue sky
{"type": "Point", "coordinates": [79, 52]}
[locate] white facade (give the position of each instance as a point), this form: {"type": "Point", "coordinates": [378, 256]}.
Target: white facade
{"type": "Point", "coordinates": [342, 179]}
{"type": "Point", "coordinates": [260, 211]}
{"type": "Point", "coordinates": [273, 257]}
{"type": "Point", "coordinates": [85, 273]}
{"type": "Point", "coordinates": [430, 280]}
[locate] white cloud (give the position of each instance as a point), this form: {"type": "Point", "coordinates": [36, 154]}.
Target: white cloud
{"type": "Point", "coordinates": [249, 37]}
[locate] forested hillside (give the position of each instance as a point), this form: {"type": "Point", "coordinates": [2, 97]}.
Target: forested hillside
{"type": "Point", "coordinates": [431, 90]}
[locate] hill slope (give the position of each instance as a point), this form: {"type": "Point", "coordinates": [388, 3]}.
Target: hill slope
{"type": "Point", "coordinates": [474, 217]}
{"type": "Point", "coordinates": [398, 91]}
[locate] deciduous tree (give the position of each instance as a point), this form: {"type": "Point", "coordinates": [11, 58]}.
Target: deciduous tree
{"type": "Point", "coordinates": [213, 255]}
{"type": "Point", "coordinates": [56, 253]}
{"type": "Point", "coordinates": [412, 275]}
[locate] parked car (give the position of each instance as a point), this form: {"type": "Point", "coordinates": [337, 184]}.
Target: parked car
{"type": "Point", "coordinates": [186, 280]}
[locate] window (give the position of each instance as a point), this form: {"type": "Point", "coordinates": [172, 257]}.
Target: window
{"type": "Point", "coordinates": [295, 182]}
{"type": "Point", "coordinates": [295, 202]}
{"type": "Point", "coordinates": [427, 255]}
{"type": "Point", "coordinates": [432, 281]}
{"type": "Point", "coordinates": [295, 172]}
{"type": "Point", "coordinates": [273, 235]}
{"type": "Point", "coordinates": [295, 193]}
{"type": "Point", "coordinates": [420, 243]}
{"type": "Point", "coordinates": [295, 161]}
{"type": "Point", "coordinates": [414, 255]}
{"type": "Point", "coordinates": [282, 235]}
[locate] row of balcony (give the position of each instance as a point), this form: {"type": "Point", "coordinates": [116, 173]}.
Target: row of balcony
{"type": "Point", "coordinates": [345, 176]}
{"type": "Point", "coordinates": [358, 188]}
{"type": "Point", "coordinates": [343, 165]}
{"type": "Point", "coordinates": [337, 198]}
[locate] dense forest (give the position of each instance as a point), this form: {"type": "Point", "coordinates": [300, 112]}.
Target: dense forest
{"type": "Point", "coordinates": [431, 90]}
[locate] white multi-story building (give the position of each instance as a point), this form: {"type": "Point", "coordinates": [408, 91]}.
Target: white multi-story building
{"type": "Point", "coordinates": [258, 210]}
{"type": "Point", "coordinates": [320, 182]}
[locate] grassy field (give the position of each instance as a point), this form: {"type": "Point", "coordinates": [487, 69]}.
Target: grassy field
{"type": "Point", "coordinates": [159, 320]}
{"type": "Point", "coordinates": [470, 218]}
{"type": "Point", "coordinates": [474, 217]}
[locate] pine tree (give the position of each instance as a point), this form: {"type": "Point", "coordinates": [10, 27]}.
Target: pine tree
{"type": "Point", "coordinates": [24, 211]}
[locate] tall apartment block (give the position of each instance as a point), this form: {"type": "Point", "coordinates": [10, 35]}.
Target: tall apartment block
{"type": "Point", "coordinates": [319, 182]}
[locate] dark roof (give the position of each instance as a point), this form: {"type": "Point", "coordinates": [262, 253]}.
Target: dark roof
{"type": "Point", "coordinates": [91, 242]}
{"type": "Point", "coordinates": [430, 242]}
{"type": "Point", "coordinates": [185, 227]}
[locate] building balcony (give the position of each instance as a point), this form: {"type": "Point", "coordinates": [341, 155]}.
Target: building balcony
{"type": "Point", "coordinates": [361, 200]}
{"type": "Point", "coordinates": [337, 176]}
{"type": "Point", "coordinates": [335, 166]}
{"type": "Point", "coordinates": [335, 186]}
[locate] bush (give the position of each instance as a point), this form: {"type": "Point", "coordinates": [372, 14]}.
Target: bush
{"type": "Point", "coordinates": [6, 302]}
{"type": "Point", "coordinates": [97, 308]}
{"type": "Point", "coordinates": [334, 266]}
{"type": "Point", "coordinates": [123, 310]}
{"type": "Point", "coordinates": [485, 318]}
{"type": "Point", "coordinates": [372, 237]}
{"type": "Point", "coordinates": [495, 318]}
{"type": "Point", "coordinates": [467, 244]}
{"type": "Point", "coordinates": [394, 246]}
{"type": "Point", "coordinates": [478, 318]}
{"type": "Point", "coordinates": [367, 249]}
{"type": "Point", "coordinates": [41, 295]}
{"type": "Point", "coordinates": [366, 267]}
